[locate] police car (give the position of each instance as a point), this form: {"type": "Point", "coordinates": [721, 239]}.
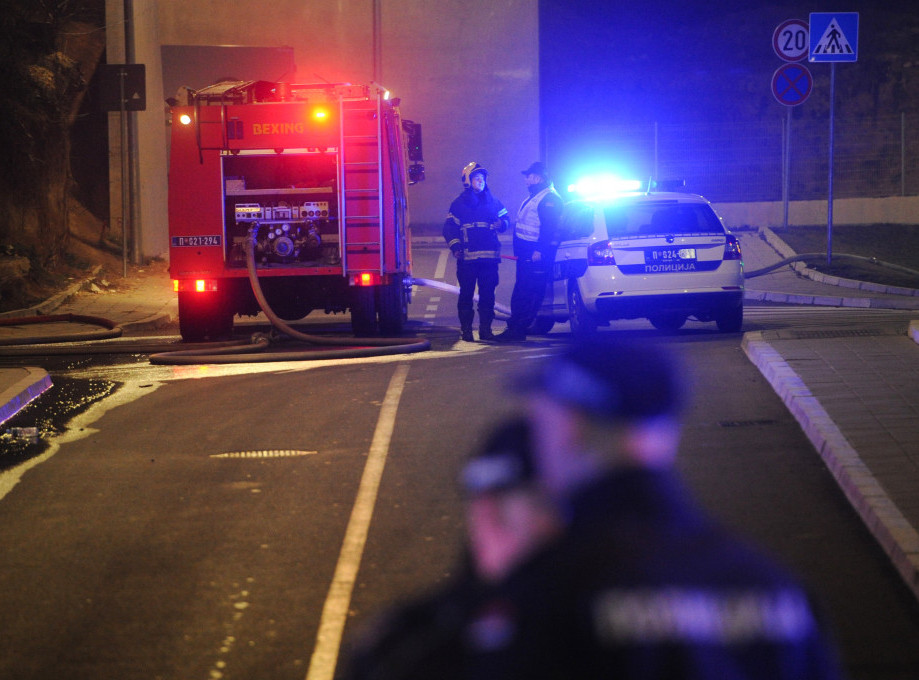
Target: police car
{"type": "Point", "coordinates": [661, 255]}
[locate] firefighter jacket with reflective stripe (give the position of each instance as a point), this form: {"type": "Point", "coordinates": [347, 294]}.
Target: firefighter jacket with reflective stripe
{"type": "Point", "coordinates": [473, 224]}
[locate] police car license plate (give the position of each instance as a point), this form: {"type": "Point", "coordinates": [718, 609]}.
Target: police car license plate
{"type": "Point", "coordinates": [669, 255]}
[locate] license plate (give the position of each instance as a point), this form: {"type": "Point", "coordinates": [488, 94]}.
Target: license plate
{"type": "Point", "coordinates": [670, 255]}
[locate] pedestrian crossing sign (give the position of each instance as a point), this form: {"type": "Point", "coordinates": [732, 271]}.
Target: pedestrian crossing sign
{"type": "Point", "coordinates": [833, 36]}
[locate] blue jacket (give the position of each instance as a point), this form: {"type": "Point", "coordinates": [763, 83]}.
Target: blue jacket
{"type": "Point", "coordinates": [473, 224]}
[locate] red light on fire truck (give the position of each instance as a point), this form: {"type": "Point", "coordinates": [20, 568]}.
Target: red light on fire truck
{"type": "Point", "coordinates": [366, 279]}
{"type": "Point", "coordinates": [194, 285]}
{"type": "Point", "coordinates": [320, 114]}
{"type": "Point", "coordinates": [185, 119]}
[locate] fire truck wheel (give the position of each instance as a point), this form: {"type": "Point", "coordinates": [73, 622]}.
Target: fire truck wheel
{"type": "Point", "coordinates": [204, 317]}
{"type": "Point", "coordinates": [393, 308]}
{"type": "Point", "coordinates": [363, 312]}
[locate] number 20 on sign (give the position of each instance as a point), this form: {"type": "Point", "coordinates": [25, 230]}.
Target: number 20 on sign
{"type": "Point", "coordinates": [791, 40]}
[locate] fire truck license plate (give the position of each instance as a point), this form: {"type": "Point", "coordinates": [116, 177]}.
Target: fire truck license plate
{"type": "Point", "coordinates": [195, 241]}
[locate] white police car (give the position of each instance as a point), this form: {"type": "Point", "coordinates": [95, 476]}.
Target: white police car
{"type": "Point", "coordinates": [664, 256]}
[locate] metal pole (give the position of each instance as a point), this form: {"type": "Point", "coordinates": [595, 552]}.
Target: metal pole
{"type": "Point", "coordinates": [786, 150]}
{"type": "Point", "coordinates": [829, 207]}
{"type": "Point", "coordinates": [124, 176]}
{"type": "Point", "coordinates": [377, 42]}
{"type": "Point", "coordinates": [903, 153]}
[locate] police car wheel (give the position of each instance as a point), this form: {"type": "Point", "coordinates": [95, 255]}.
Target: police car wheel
{"type": "Point", "coordinates": [668, 323]}
{"type": "Point", "coordinates": [582, 321]}
{"type": "Point", "coordinates": [730, 321]}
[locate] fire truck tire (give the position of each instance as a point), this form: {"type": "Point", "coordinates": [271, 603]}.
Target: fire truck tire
{"type": "Point", "coordinates": [393, 308]}
{"type": "Point", "coordinates": [363, 311]}
{"type": "Point", "coordinates": [204, 317]}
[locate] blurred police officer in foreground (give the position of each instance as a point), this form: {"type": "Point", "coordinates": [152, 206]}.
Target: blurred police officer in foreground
{"type": "Point", "coordinates": [471, 230]}
{"type": "Point", "coordinates": [642, 584]}
{"type": "Point", "coordinates": [535, 243]}
{"type": "Point", "coordinates": [453, 632]}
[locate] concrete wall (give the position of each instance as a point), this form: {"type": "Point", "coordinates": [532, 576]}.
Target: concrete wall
{"type": "Point", "coordinates": [891, 210]}
{"type": "Point", "coordinates": [467, 70]}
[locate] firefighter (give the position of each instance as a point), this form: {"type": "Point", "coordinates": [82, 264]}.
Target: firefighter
{"type": "Point", "coordinates": [535, 243]}
{"type": "Point", "coordinates": [471, 230]}
{"type": "Point", "coordinates": [447, 633]}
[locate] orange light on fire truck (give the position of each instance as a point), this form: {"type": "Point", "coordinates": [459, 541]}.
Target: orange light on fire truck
{"type": "Point", "coordinates": [320, 114]}
{"type": "Point", "coordinates": [185, 119]}
{"type": "Point", "coordinates": [366, 279]}
{"type": "Point", "coordinates": [194, 285]}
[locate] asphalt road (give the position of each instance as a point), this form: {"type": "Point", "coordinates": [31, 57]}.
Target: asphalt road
{"type": "Point", "coordinates": [191, 523]}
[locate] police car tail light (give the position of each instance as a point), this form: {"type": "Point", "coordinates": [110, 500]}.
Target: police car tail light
{"type": "Point", "coordinates": [601, 253]}
{"type": "Point", "coordinates": [732, 248]}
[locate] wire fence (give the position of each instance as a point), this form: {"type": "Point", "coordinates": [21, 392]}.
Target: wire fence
{"type": "Point", "coordinates": [740, 162]}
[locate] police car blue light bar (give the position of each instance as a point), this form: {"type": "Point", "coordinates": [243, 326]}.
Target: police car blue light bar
{"type": "Point", "coordinates": [598, 187]}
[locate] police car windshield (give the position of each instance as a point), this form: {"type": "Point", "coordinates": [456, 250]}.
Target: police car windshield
{"type": "Point", "coordinates": [661, 218]}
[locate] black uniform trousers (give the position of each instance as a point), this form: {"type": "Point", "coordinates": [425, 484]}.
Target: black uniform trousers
{"type": "Point", "coordinates": [532, 278]}
{"type": "Point", "coordinates": [472, 273]}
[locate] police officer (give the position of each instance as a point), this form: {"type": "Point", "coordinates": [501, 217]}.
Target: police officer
{"type": "Point", "coordinates": [535, 243]}
{"type": "Point", "coordinates": [471, 230]}
{"type": "Point", "coordinates": [642, 584]}
{"type": "Point", "coordinates": [450, 634]}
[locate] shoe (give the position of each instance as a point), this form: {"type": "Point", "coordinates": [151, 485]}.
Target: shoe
{"type": "Point", "coordinates": [486, 334]}
{"type": "Point", "coordinates": [466, 334]}
{"type": "Point", "coordinates": [510, 336]}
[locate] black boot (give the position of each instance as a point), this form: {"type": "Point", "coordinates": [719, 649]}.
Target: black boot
{"type": "Point", "coordinates": [485, 319]}
{"type": "Point", "coordinates": [465, 318]}
{"type": "Point", "coordinates": [511, 335]}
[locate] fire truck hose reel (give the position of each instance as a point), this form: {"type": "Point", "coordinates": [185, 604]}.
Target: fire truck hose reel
{"type": "Point", "coordinates": [382, 345]}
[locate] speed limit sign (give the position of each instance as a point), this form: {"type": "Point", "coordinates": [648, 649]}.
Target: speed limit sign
{"type": "Point", "coordinates": [790, 40]}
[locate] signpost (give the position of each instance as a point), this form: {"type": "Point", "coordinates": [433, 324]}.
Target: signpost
{"type": "Point", "coordinates": [833, 38]}
{"type": "Point", "coordinates": [791, 85]}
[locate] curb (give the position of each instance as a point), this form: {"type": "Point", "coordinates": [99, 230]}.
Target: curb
{"type": "Point", "coordinates": [899, 540]}
{"type": "Point", "coordinates": [785, 250]}
{"type": "Point", "coordinates": [28, 386]}
{"type": "Point", "coordinates": [52, 303]}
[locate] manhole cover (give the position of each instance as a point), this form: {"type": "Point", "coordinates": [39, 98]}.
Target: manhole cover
{"type": "Point", "coordinates": [281, 453]}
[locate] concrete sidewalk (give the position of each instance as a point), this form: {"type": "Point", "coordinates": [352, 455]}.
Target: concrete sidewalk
{"type": "Point", "coordinates": [855, 393]}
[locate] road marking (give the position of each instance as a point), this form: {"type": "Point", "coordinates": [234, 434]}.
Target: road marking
{"type": "Point", "coordinates": [338, 601]}
{"type": "Point", "coordinates": [441, 267]}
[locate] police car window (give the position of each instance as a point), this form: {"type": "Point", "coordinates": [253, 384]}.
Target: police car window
{"type": "Point", "coordinates": [661, 219]}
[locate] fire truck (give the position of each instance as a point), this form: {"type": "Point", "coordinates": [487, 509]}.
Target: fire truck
{"type": "Point", "coordinates": [300, 187]}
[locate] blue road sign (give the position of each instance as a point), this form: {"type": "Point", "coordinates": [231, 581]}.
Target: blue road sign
{"type": "Point", "coordinates": [792, 84]}
{"type": "Point", "coordinates": [833, 36]}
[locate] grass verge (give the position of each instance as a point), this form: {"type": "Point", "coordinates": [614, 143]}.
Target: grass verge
{"type": "Point", "coordinates": [896, 244]}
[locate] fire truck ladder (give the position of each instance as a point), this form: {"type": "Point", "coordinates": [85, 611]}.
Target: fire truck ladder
{"type": "Point", "coordinates": [361, 205]}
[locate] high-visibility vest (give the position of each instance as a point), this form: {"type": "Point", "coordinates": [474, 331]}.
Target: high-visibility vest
{"type": "Point", "coordinates": [528, 216]}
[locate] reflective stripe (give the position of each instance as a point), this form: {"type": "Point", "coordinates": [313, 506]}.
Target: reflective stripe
{"type": "Point", "coordinates": [528, 216]}
{"type": "Point", "coordinates": [702, 616]}
{"type": "Point", "coordinates": [482, 255]}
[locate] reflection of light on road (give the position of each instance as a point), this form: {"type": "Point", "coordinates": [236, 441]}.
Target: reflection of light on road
{"type": "Point", "coordinates": [77, 429]}
{"type": "Point", "coordinates": [142, 372]}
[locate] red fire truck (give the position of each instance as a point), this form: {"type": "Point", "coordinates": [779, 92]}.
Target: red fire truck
{"type": "Point", "coordinates": [301, 186]}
